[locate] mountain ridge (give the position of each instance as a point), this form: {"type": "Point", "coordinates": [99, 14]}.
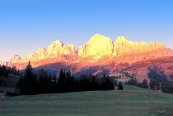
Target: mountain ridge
{"type": "Point", "coordinates": [98, 46]}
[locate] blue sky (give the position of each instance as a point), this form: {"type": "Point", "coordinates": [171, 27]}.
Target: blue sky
{"type": "Point", "coordinates": [26, 25]}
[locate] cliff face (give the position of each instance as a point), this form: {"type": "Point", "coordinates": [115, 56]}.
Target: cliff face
{"type": "Point", "coordinates": [122, 46]}
{"type": "Point", "coordinates": [98, 50]}
{"type": "Point", "coordinates": [15, 59]}
{"type": "Point", "coordinates": [98, 45]}
{"type": "Point", "coordinates": [58, 48]}
{"type": "Point", "coordinates": [1, 63]}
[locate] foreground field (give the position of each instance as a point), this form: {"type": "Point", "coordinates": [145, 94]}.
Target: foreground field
{"type": "Point", "coordinates": [130, 102]}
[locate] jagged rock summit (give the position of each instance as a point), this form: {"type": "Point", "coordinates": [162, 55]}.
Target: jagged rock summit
{"type": "Point", "coordinates": [98, 45]}
{"type": "Point", "coordinates": [15, 59]}
{"type": "Point", "coordinates": [122, 46]}
{"type": "Point", "coordinates": [58, 48]}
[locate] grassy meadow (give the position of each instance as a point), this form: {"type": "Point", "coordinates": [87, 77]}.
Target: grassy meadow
{"type": "Point", "coordinates": [130, 102]}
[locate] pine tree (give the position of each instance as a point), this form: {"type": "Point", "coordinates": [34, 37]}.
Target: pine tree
{"type": "Point", "coordinates": [29, 82]}
{"type": "Point", "coordinates": [62, 81]}
{"type": "Point", "coordinates": [120, 86]}
{"type": "Point", "coordinates": [144, 84]}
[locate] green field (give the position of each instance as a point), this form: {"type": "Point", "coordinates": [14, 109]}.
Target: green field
{"type": "Point", "coordinates": [130, 102]}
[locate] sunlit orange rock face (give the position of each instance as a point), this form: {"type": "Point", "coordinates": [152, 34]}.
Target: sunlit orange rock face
{"type": "Point", "coordinates": [100, 45]}
{"type": "Point", "coordinates": [16, 59]}
{"type": "Point", "coordinates": [100, 52]}
{"type": "Point", "coordinates": [122, 46]}
{"type": "Point", "coordinates": [58, 48]}
{"type": "Point", "coordinates": [1, 63]}
{"type": "Point", "coordinates": [97, 46]}
{"type": "Point", "coordinates": [55, 50]}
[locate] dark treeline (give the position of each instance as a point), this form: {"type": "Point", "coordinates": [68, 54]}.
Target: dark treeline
{"type": "Point", "coordinates": [167, 87]}
{"type": "Point", "coordinates": [154, 84]}
{"type": "Point", "coordinates": [42, 82]}
{"type": "Point", "coordinates": [133, 81]}
{"type": "Point", "coordinates": [159, 81]}
{"type": "Point", "coordinates": [5, 71]}
{"type": "Point", "coordinates": [164, 86]}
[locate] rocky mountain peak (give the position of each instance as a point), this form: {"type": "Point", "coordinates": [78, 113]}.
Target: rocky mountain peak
{"type": "Point", "coordinates": [55, 47]}
{"type": "Point", "coordinates": [57, 43]}
{"type": "Point", "coordinates": [16, 59]}
{"type": "Point", "coordinates": [98, 38]}
{"type": "Point", "coordinates": [121, 40]}
{"type": "Point", "coordinates": [98, 45]}
{"type": "Point", "coordinates": [41, 53]}
{"type": "Point", "coordinates": [1, 63]}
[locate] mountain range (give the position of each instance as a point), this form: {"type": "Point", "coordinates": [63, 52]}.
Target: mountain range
{"type": "Point", "coordinates": [101, 55]}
